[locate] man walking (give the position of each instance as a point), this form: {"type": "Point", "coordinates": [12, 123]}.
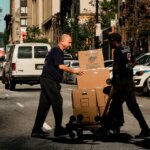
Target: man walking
{"type": "Point", "coordinates": [50, 88]}
{"type": "Point", "coordinates": [123, 86]}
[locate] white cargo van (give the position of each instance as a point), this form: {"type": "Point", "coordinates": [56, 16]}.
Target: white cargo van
{"type": "Point", "coordinates": [24, 63]}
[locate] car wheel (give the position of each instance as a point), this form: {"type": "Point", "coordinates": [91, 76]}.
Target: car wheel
{"type": "Point", "coordinates": [3, 79]}
{"type": "Point", "coordinates": [12, 85]}
{"type": "Point", "coordinates": [148, 85]}
{"type": "Point", "coordinates": [7, 85]}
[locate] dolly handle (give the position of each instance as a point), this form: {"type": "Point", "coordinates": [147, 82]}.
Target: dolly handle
{"type": "Point", "coordinates": [108, 102]}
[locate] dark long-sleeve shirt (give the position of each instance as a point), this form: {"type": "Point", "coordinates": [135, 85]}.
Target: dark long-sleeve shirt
{"type": "Point", "coordinates": [122, 68]}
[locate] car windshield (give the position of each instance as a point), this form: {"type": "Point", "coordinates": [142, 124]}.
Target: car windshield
{"type": "Point", "coordinates": [108, 63]}
{"type": "Point", "coordinates": [66, 63]}
{"type": "Point", "coordinates": [68, 57]}
{"type": "Point", "coordinates": [75, 64]}
{"type": "Point", "coordinates": [145, 60]}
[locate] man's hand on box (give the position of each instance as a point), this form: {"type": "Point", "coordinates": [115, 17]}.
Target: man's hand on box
{"type": "Point", "coordinates": [78, 71]}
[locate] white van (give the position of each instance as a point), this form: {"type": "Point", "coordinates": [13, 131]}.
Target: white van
{"type": "Point", "coordinates": [24, 63]}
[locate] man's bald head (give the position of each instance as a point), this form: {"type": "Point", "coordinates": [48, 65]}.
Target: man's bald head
{"type": "Point", "coordinates": [65, 41]}
{"type": "Point", "coordinates": [64, 37]}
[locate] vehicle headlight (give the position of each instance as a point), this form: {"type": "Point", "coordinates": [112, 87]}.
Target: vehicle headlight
{"type": "Point", "coordinates": [139, 73]}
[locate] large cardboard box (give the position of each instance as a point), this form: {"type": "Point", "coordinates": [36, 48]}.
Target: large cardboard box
{"type": "Point", "coordinates": [91, 59]}
{"type": "Point", "coordinates": [89, 103]}
{"type": "Point", "coordinates": [101, 99]}
{"type": "Point", "coordinates": [93, 78]}
{"type": "Point", "coordinates": [85, 103]}
{"type": "Point", "coordinates": [84, 98]}
{"type": "Point", "coordinates": [88, 114]}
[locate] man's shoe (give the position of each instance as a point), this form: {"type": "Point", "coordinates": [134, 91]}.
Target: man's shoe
{"type": "Point", "coordinates": [39, 133]}
{"type": "Point", "coordinates": [116, 131]}
{"type": "Point", "coordinates": [60, 131]}
{"type": "Point", "coordinates": [102, 131]}
{"type": "Point", "coordinates": [143, 133]}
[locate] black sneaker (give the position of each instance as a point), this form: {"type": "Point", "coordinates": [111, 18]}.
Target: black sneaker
{"type": "Point", "coordinates": [116, 131]}
{"type": "Point", "coordinates": [102, 131]}
{"type": "Point", "coordinates": [39, 133]}
{"type": "Point", "coordinates": [60, 131]}
{"type": "Point", "coordinates": [143, 133]}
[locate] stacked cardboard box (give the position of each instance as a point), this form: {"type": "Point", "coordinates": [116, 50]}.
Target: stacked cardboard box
{"type": "Point", "coordinates": [88, 99]}
{"type": "Point", "coordinates": [84, 102]}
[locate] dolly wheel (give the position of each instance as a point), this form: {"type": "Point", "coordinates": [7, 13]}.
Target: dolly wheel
{"type": "Point", "coordinates": [72, 135]}
{"type": "Point", "coordinates": [79, 118]}
{"type": "Point", "coordinates": [72, 118]}
{"type": "Point", "coordinates": [97, 118]}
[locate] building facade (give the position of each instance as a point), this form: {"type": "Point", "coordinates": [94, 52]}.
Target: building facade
{"type": "Point", "coordinates": [134, 24]}
{"type": "Point", "coordinates": [49, 15]}
{"type": "Point", "coordinates": [21, 12]}
{"type": "Point", "coordinates": [44, 14]}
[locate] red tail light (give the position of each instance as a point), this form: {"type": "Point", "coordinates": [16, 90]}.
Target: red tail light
{"type": "Point", "coordinates": [13, 66]}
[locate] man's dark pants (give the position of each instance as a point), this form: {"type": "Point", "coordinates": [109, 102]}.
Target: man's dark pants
{"type": "Point", "coordinates": [124, 91]}
{"type": "Point", "coordinates": [50, 96]}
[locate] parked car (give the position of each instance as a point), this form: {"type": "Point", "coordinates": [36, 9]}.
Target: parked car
{"type": "Point", "coordinates": [24, 63]}
{"type": "Point", "coordinates": [142, 78]}
{"type": "Point", "coordinates": [108, 63]}
{"type": "Point", "coordinates": [68, 56]}
{"type": "Point", "coordinates": [142, 74]}
{"type": "Point", "coordinates": [2, 57]}
{"type": "Point", "coordinates": [144, 59]}
{"type": "Point", "coordinates": [69, 77]}
{"type": "Point", "coordinates": [67, 62]}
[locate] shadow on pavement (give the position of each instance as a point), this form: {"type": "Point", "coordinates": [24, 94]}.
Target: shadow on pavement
{"type": "Point", "coordinates": [144, 143]}
{"type": "Point", "coordinates": [90, 138]}
{"type": "Point", "coordinates": [28, 90]}
{"type": "Point", "coordinates": [121, 138]}
{"type": "Point", "coordinates": [28, 143]}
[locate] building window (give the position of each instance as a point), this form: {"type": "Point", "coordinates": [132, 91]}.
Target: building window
{"type": "Point", "coordinates": [24, 11]}
{"type": "Point", "coordinates": [23, 8]}
{"type": "Point", "coordinates": [23, 22]}
{"type": "Point", "coordinates": [25, 52]}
